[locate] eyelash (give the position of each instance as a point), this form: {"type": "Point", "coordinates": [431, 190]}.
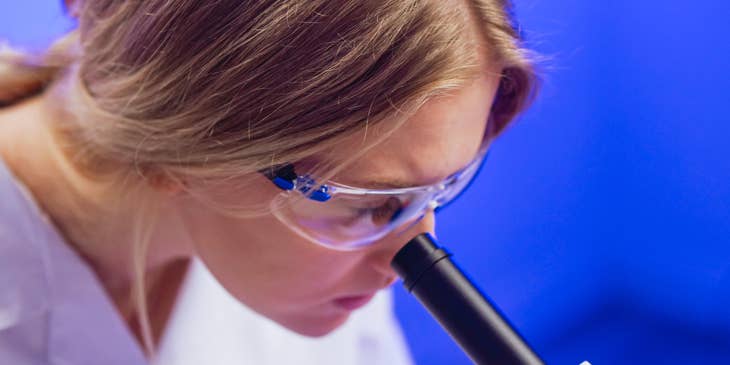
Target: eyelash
{"type": "Point", "coordinates": [376, 208]}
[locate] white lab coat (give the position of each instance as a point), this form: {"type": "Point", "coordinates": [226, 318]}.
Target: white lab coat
{"type": "Point", "coordinates": [53, 310]}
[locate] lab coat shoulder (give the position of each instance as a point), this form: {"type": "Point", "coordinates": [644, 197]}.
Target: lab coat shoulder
{"type": "Point", "coordinates": [53, 310]}
{"type": "Point", "coordinates": [24, 291]}
{"type": "Point", "coordinates": [23, 278]}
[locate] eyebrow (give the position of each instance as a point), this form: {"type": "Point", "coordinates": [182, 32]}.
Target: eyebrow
{"type": "Point", "coordinates": [397, 183]}
{"type": "Point", "coordinates": [384, 183]}
{"type": "Point", "coordinates": [389, 182]}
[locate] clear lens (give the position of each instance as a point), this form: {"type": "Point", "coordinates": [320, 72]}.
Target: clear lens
{"type": "Point", "coordinates": [458, 182]}
{"type": "Point", "coordinates": [348, 221]}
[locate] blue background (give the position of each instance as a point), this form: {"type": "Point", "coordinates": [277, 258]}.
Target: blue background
{"type": "Point", "coordinates": [601, 222]}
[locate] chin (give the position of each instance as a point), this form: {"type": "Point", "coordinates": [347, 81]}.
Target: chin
{"type": "Point", "coordinates": [315, 327]}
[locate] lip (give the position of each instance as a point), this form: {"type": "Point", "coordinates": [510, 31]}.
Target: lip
{"type": "Point", "coordinates": [351, 303]}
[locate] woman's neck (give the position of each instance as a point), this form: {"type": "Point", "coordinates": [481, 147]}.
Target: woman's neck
{"type": "Point", "coordinates": [103, 237]}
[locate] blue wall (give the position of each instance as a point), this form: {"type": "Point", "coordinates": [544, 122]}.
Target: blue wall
{"type": "Point", "coordinates": [601, 222]}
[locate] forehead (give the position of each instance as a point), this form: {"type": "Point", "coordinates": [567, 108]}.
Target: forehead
{"type": "Point", "coordinates": [439, 139]}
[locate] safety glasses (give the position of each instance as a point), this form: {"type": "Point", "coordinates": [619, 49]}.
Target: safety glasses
{"type": "Point", "coordinates": [346, 218]}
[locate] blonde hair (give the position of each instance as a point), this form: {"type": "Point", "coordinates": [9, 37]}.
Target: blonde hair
{"type": "Point", "coordinates": [221, 90]}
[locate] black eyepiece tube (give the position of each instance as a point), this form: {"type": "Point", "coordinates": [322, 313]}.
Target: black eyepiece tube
{"type": "Point", "coordinates": [464, 312]}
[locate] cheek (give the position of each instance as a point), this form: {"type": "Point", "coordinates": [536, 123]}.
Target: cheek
{"type": "Point", "coordinates": [272, 270]}
{"type": "Point", "coordinates": [265, 265]}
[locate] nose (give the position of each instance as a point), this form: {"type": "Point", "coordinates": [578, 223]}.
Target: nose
{"type": "Point", "coordinates": [385, 250]}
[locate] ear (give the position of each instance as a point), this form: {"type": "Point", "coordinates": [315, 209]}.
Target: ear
{"type": "Point", "coordinates": [167, 183]}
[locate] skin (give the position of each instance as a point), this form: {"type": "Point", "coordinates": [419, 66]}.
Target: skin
{"type": "Point", "coordinates": [291, 280]}
{"type": "Point", "coordinates": [258, 260]}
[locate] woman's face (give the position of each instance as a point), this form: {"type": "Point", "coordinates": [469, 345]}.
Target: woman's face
{"type": "Point", "coordinates": [311, 289]}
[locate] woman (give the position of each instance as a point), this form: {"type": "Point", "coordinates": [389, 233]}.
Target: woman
{"type": "Point", "coordinates": [292, 146]}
